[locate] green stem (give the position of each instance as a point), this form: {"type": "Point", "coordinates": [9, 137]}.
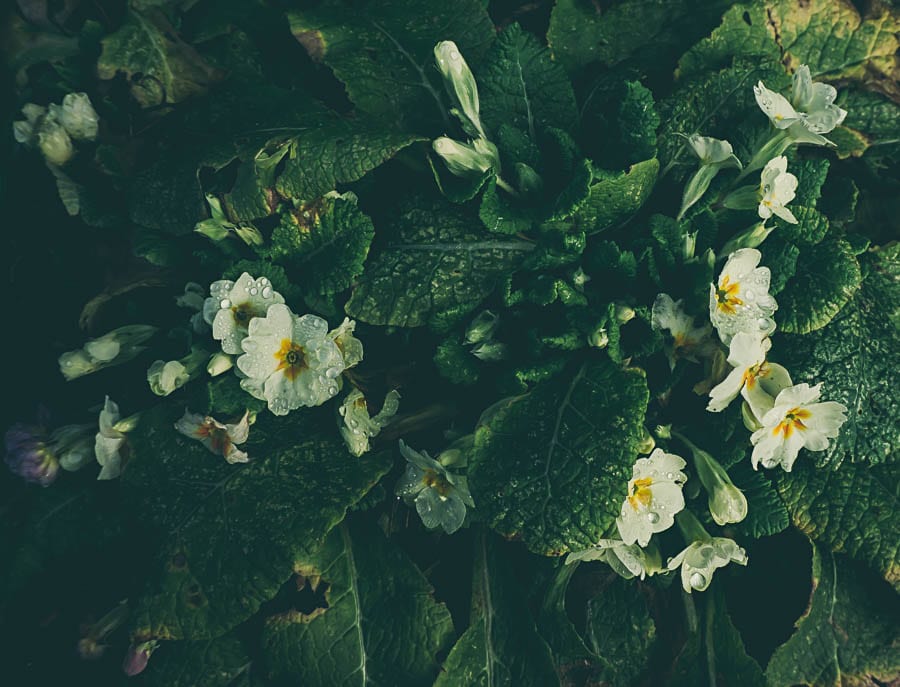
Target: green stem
{"type": "Point", "coordinates": [690, 527]}
{"type": "Point", "coordinates": [502, 183]}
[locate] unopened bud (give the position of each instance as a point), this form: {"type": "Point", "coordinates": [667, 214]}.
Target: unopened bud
{"type": "Point", "coordinates": [54, 142]}
{"type": "Point", "coordinates": [219, 364]}
{"type": "Point", "coordinates": [459, 82]}
{"type": "Point", "coordinates": [482, 328]}
{"type": "Point", "coordinates": [463, 159]}
{"type": "Point", "coordinates": [78, 116]}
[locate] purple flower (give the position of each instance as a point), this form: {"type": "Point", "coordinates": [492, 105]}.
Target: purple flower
{"type": "Point", "coordinates": [28, 455]}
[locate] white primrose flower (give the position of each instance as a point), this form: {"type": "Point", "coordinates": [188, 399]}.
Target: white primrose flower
{"type": "Point", "coordinates": [359, 427]}
{"type": "Point", "coordinates": [713, 151]}
{"type": "Point", "coordinates": [166, 377]}
{"type": "Point", "coordinates": [796, 421]}
{"type": "Point", "coordinates": [440, 496]}
{"type": "Point", "coordinates": [25, 130]}
{"type": "Point", "coordinates": [350, 347]}
{"type": "Point", "coordinates": [219, 438]}
{"type": "Point", "coordinates": [654, 497]}
{"type": "Point", "coordinates": [810, 113]}
{"type": "Point", "coordinates": [111, 443]}
{"type": "Point", "coordinates": [688, 341]}
{"type": "Point", "coordinates": [757, 380]}
{"type": "Point", "coordinates": [78, 116]}
{"type": "Point", "coordinates": [775, 106]}
{"type": "Point", "coordinates": [777, 188]}
{"type": "Point", "coordinates": [702, 558]}
{"type": "Point", "coordinates": [816, 100]}
{"type": "Point", "coordinates": [627, 560]}
{"type": "Point", "coordinates": [739, 301]}
{"type": "Point", "coordinates": [290, 361]}
{"type": "Point", "coordinates": [237, 304]}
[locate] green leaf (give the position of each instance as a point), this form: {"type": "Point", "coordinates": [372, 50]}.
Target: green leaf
{"type": "Point", "coordinates": [827, 276]}
{"type": "Point", "coordinates": [616, 197]}
{"type": "Point", "coordinates": [856, 357]}
{"type": "Point", "coordinates": [780, 257]}
{"type": "Point", "coordinates": [766, 513]}
{"type": "Point", "coordinates": [811, 227]}
{"type": "Point", "coordinates": [714, 655]}
{"type": "Point", "coordinates": [501, 647]}
{"type": "Point", "coordinates": [439, 266]}
{"type": "Point", "coordinates": [570, 653]}
{"type": "Point", "coordinates": [381, 624]}
{"type": "Point", "coordinates": [551, 467]}
{"type": "Point", "coordinates": [383, 52]}
{"type": "Point", "coordinates": [159, 65]}
{"type": "Point", "coordinates": [864, 49]}
{"type": "Point", "coordinates": [851, 509]}
{"type": "Point", "coordinates": [870, 127]}
{"type": "Point", "coordinates": [652, 33]}
{"type": "Point", "coordinates": [621, 631]}
{"type": "Point", "coordinates": [744, 32]}
{"type": "Point", "coordinates": [336, 151]}
{"type": "Point", "coordinates": [811, 174]}
{"type": "Point", "coordinates": [217, 662]}
{"type": "Point", "coordinates": [322, 244]}
{"type": "Point", "coordinates": [847, 636]}
{"type": "Point", "coordinates": [456, 362]}
{"type": "Point", "coordinates": [225, 550]}
{"type": "Point", "coordinates": [521, 86]}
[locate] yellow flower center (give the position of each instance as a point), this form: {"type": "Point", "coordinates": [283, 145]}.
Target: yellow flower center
{"type": "Point", "coordinates": [793, 419]}
{"type": "Point", "coordinates": [243, 313]}
{"type": "Point", "coordinates": [726, 295]}
{"type": "Point", "coordinates": [291, 358]}
{"type": "Point", "coordinates": [436, 482]}
{"type": "Point", "coordinates": [639, 492]}
{"type": "Point", "coordinates": [751, 374]}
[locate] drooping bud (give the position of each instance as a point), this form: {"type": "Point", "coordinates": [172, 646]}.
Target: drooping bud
{"type": "Point", "coordinates": [482, 328]}
{"type": "Point", "coordinates": [489, 351]}
{"type": "Point", "coordinates": [727, 503]}
{"type": "Point", "coordinates": [29, 456]}
{"type": "Point", "coordinates": [114, 348]}
{"type": "Point", "coordinates": [219, 363]}
{"type": "Point", "coordinates": [464, 159]}
{"type": "Point", "coordinates": [749, 238]}
{"type": "Point", "coordinates": [165, 377]}
{"type": "Point", "coordinates": [137, 657]}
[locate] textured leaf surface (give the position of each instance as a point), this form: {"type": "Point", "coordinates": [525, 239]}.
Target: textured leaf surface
{"type": "Point", "coordinates": [849, 636]}
{"type": "Point", "coordinates": [160, 67]}
{"type": "Point", "coordinates": [852, 510]}
{"type": "Point", "coordinates": [337, 151]}
{"type": "Point", "coordinates": [835, 41]}
{"type": "Point", "coordinates": [323, 244]}
{"type": "Point", "coordinates": [439, 266]}
{"type": "Point", "coordinates": [521, 86]}
{"type": "Point", "coordinates": [827, 276]}
{"type": "Point", "coordinates": [220, 662]}
{"type": "Point", "coordinates": [766, 513]}
{"type": "Point", "coordinates": [651, 32]}
{"type": "Point", "coordinates": [857, 359]}
{"type": "Point", "coordinates": [551, 467]}
{"type": "Point", "coordinates": [383, 51]}
{"type": "Point", "coordinates": [621, 631]}
{"type": "Point", "coordinates": [614, 198]}
{"type": "Point", "coordinates": [381, 625]}
{"type": "Point", "coordinates": [501, 647]}
{"type": "Point", "coordinates": [231, 533]}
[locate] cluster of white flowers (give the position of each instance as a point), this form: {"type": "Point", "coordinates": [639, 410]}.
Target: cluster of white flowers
{"type": "Point", "coordinates": [52, 129]}
{"type": "Point", "coordinates": [785, 417]}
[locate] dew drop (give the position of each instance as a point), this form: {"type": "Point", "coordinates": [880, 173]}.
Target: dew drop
{"type": "Point", "coordinates": [698, 580]}
{"type": "Point", "coordinates": [762, 322]}
{"type": "Point", "coordinates": [653, 518]}
{"type": "Point", "coordinates": [750, 295]}
{"type": "Point", "coordinates": [225, 303]}
{"type": "Point", "coordinates": [670, 475]}
{"type": "Point", "coordinates": [332, 372]}
{"type": "Point", "coordinates": [267, 292]}
{"type": "Point", "coordinates": [254, 291]}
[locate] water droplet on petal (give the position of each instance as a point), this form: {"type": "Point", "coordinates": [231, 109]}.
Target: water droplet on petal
{"type": "Point", "coordinates": [653, 518]}
{"type": "Point", "coordinates": [670, 475]}
{"type": "Point", "coordinates": [254, 291]}
{"type": "Point", "coordinates": [225, 303]}
{"type": "Point", "coordinates": [267, 292]}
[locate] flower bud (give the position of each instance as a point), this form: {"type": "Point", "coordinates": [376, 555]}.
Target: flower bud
{"type": "Point", "coordinates": [138, 656]}
{"type": "Point", "coordinates": [74, 446]}
{"type": "Point", "coordinates": [214, 229]}
{"type": "Point", "coordinates": [459, 82]}
{"type": "Point", "coordinates": [54, 142]}
{"type": "Point", "coordinates": [690, 245]}
{"type": "Point", "coordinates": [165, 377]}
{"type": "Point", "coordinates": [727, 503]}
{"type": "Point", "coordinates": [219, 363]}
{"type": "Point", "coordinates": [751, 422]}
{"type": "Point", "coordinates": [114, 348]}
{"type": "Point", "coordinates": [482, 328]}
{"type": "Point", "coordinates": [749, 238]}
{"type": "Point", "coordinates": [647, 443]}
{"type": "Point", "coordinates": [249, 234]}
{"type": "Point", "coordinates": [598, 338]}
{"type": "Point", "coordinates": [743, 198]}
{"type": "Point", "coordinates": [489, 351]}
{"type": "Point", "coordinates": [624, 313]}
{"type": "Point", "coordinates": [464, 159]}
{"type": "Point", "coordinates": [78, 116]}
{"type": "Point", "coordinates": [193, 297]}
